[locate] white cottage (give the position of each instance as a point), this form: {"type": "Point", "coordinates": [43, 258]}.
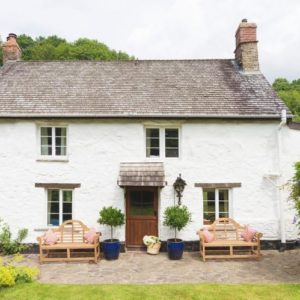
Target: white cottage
{"type": "Point", "coordinates": [79, 135]}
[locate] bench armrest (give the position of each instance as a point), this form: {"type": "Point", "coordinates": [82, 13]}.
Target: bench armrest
{"type": "Point", "coordinates": [258, 236]}
{"type": "Point", "coordinates": [97, 238]}
{"type": "Point", "coordinates": [201, 235]}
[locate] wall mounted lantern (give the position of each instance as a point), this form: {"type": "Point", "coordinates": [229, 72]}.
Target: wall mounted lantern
{"type": "Point", "coordinates": [179, 186]}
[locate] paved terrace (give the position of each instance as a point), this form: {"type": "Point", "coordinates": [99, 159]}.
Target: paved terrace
{"type": "Point", "coordinates": [139, 267]}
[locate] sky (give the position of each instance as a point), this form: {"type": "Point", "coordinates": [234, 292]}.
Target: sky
{"type": "Point", "coordinates": [167, 29]}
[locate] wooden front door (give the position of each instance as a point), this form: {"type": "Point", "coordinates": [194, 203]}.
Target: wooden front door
{"type": "Point", "coordinates": [141, 214]}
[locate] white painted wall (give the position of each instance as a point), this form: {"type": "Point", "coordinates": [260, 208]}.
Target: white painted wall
{"type": "Point", "coordinates": [228, 151]}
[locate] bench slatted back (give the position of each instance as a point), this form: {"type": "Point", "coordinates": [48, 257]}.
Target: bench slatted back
{"type": "Point", "coordinates": [226, 229]}
{"type": "Point", "coordinates": [72, 231]}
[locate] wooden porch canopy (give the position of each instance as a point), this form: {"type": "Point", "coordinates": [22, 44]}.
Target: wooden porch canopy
{"type": "Point", "coordinates": [142, 174]}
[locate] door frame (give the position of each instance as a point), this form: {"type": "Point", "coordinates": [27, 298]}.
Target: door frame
{"type": "Point", "coordinates": [156, 198]}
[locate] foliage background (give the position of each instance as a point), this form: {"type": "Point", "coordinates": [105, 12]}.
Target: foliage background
{"type": "Point", "coordinates": [289, 92]}
{"type": "Point", "coordinates": [56, 48]}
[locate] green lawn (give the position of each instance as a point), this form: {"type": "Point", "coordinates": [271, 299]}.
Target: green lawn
{"type": "Point", "coordinates": [35, 291]}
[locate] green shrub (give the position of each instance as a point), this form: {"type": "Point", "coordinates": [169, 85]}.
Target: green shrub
{"type": "Point", "coordinates": [6, 277]}
{"type": "Point", "coordinates": [177, 217]}
{"type": "Point", "coordinates": [25, 274]}
{"type": "Point", "coordinates": [8, 245]}
{"type": "Point", "coordinates": [112, 217]}
{"type": "Point", "coordinates": [11, 274]}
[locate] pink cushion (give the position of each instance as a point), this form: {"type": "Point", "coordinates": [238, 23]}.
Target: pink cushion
{"type": "Point", "coordinates": [50, 238]}
{"type": "Point", "coordinates": [89, 236]}
{"type": "Point", "coordinates": [248, 234]}
{"type": "Point", "coordinates": [208, 236]}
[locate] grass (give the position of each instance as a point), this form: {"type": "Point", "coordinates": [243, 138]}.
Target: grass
{"type": "Point", "coordinates": [35, 291]}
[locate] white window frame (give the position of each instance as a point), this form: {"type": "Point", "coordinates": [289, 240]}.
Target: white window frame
{"type": "Point", "coordinates": [162, 141]}
{"type": "Point", "coordinates": [53, 156]}
{"type": "Point", "coordinates": [60, 213]}
{"type": "Point", "coordinates": [217, 212]}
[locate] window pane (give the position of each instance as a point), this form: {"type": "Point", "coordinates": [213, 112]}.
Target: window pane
{"type": "Point", "coordinates": [46, 131]}
{"type": "Point", "coordinates": [208, 194]}
{"type": "Point", "coordinates": [223, 195]}
{"type": "Point", "coordinates": [223, 206]}
{"type": "Point", "coordinates": [152, 133]}
{"type": "Point", "coordinates": [60, 131]}
{"type": "Point", "coordinates": [53, 195]}
{"type": "Point", "coordinates": [53, 219]}
{"type": "Point", "coordinates": [171, 152]}
{"type": "Point", "coordinates": [67, 217]}
{"type": "Point", "coordinates": [141, 203]}
{"type": "Point", "coordinates": [46, 150]}
{"type": "Point", "coordinates": [67, 196]}
{"type": "Point", "coordinates": [209, 206]}
{"type": "Point", "coordinates": [67, 207]}
{"type": "Point", "coordinates": [209, 218]}
{"type": "Point", "coordinates": [224, 215]}
{"type": "Point", "coordinates": [53, 207]}
{"type": "Point", "coordinates": [152, 142]}
{"type": "Point", "coordinates": [46, 141]}
{"type": "Point", "coordinates": [60, 151]}
{"type": "Point", "coordinates": [172, 133]}
{"type": "Point", "coordinates": [61, 141]}
{"type": "Point", "coordinates": [171, 142]}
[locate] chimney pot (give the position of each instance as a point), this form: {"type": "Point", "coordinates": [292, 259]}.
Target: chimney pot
{"type": "Point", "coordinates": [11, 35]}
{"type": "Point", "coordinates": [244, 20]}
{"type": "Point", "coordinates": [11, 49]}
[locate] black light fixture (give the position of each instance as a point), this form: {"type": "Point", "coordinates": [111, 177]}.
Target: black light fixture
{"type": "Point", "coordinates": [179, 186]}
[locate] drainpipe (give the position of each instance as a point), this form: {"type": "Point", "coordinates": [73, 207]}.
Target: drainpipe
{"type": "Point", "coordinates": [279, 184]}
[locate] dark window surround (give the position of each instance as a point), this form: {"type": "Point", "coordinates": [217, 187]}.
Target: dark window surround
{"type": "Point", "coordinates": [226, 185]}
{"type": "Point", "coordinates": [58, 185]}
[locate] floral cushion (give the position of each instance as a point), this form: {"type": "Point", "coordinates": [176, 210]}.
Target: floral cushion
{"type": "Point", "coordinates": [90, 235]}
{"type": "Point", "coordinates": [50, 238]}
{"type": "Point", "coordinates": [248, 234]}
{"type": "Point", "coordinates": [208, 236]}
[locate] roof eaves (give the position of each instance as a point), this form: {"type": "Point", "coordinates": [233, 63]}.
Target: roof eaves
{"type": "Point", "coordinates": [167, 116]}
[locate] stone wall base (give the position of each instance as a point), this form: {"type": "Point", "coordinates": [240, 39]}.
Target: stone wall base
{"type": "Point", "coordinates": [194, 246]}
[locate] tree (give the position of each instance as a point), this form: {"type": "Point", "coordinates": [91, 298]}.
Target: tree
{"type": "Point", "coordinates": [56, 48]}
{"type": "Point", "coordinates": [290, 94]}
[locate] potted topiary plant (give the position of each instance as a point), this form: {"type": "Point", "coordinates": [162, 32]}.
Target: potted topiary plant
{"type": "Point", "coordinates": [112, 217]}
{"type": "Point", "coordinates": [176, 217]}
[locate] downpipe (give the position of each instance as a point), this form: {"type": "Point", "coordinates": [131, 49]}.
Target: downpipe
{"type": "Point", "coordinates": [283, 122]}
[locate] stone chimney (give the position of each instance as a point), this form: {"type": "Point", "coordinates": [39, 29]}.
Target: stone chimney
{"type": "Point", "coordinates": [246, 54]}
{"type": "Point", "coordinates": [11, 49]}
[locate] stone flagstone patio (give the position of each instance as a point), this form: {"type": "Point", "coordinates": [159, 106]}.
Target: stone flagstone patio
{"type": "Point", "coordinates": [139, 267]}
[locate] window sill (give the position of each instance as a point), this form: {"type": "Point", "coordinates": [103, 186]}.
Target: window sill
{"type": "Point", "coordinates": [44, 229]}
{"type": "Point", "coordinates": [53, 158]}
{"type": "Point", "coordinates": [160, 158]}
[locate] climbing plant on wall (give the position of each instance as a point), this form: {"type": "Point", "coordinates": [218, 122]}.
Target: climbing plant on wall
{"type": "Point", "coordinates": [295, 189]}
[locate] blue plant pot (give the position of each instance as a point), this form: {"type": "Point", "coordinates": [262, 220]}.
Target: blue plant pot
{"type": "Point", "coordinates": [111, 249]}
{"type": "Point", "coordinates": [175, 248]}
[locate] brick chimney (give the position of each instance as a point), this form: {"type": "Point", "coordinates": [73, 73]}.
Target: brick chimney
{"type": "Point", "coordinates": [246, 54]}
{"type": "Point", "coordinates": [11, 49]}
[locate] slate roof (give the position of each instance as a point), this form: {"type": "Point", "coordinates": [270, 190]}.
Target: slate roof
{"type": "Point", "coordinates": [148, 88]}
{"type": "Point", "coordinates": [142, 174]}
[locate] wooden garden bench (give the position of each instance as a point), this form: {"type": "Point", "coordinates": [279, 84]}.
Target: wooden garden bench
{"type": "Point", "coordinates": [71, 245]}
{"type": "Point", "coordinates": [228, 242]}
